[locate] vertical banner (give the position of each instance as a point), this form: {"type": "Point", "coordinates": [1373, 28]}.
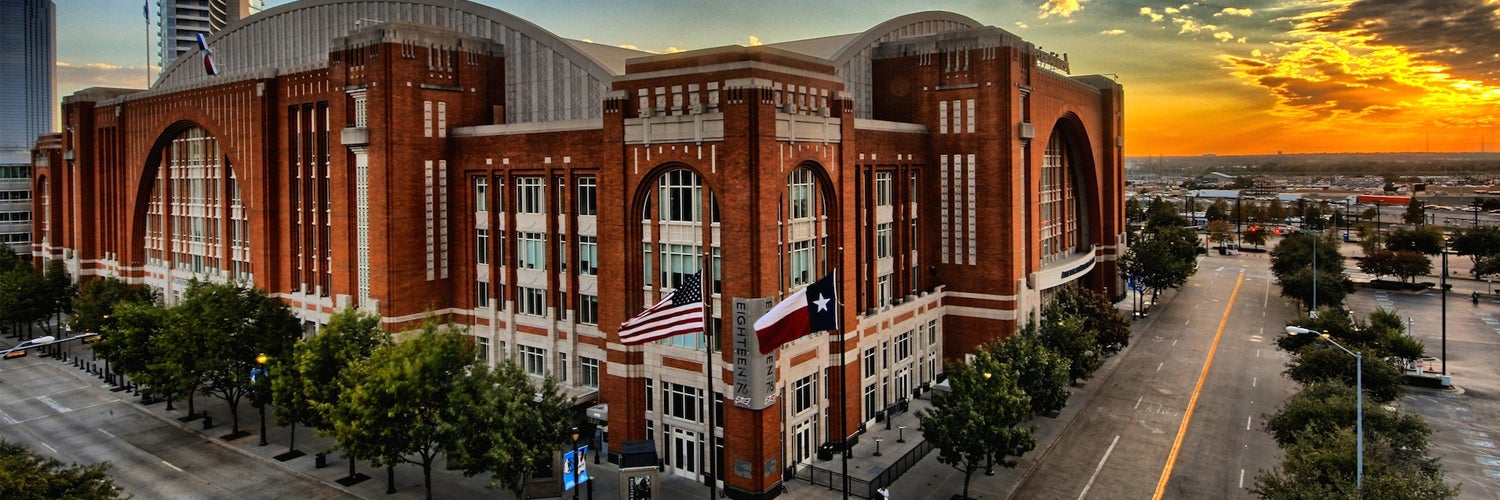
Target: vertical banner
{"type": "Point", "coordinates": [754, 373]}
{"type": "Point", "coordinates": [575, 468]}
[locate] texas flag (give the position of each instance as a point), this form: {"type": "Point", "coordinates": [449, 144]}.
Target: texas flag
{"type": "Point", "coordinates": [209, 66]}
{"type": "Point", "coordinates": [811, 309]}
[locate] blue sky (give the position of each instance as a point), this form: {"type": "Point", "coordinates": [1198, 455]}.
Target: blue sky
{"type": "Point", "coordinates": [1201, 76]}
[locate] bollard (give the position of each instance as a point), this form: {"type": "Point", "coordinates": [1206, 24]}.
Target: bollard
{"type": "Point", "coordinates": [320, 460]}
{"type": "Point", "coordinates": [208, 422]}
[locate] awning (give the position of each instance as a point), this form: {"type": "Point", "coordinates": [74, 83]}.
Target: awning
{"type": "Point", "coordinates": [598, 412]}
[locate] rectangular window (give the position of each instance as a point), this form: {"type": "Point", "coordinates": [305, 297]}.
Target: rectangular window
{"type": "Point", "coordinates": [481, 194]}
{"type": "Point", "coordinates": [426, 118]}
{"type": "Point", "coordinates": [482, 294]}
{"type": "Point", "coordinates": [883, 239]}
{"type": "Point", "coordinates": [932, 332]}
{"type": "Point", "coordinates": [957, 116]}
{"type": "Point", "coordinates": [530, 195]}
{"type": "Point", "coordinates": [588, 196]}
{"type": "Point", "coordinates": [562, 253]}
{"type": "Point", "coordinates": [588, 255]}
{"type": "Point", "coordinates": [681, 401]}
{"type": "Point", "coordinates": [801, 263]}
{"type": "Point", "coordinates": [883, 289]}
{"type": "Point", "coordinates": [588, 375]}
{"type": "Point", "coordinates": [482, 349]}
{"type": "Point", "coordinates": [883, 193]}
{"type": "Point", "coordinates": [531, 250]}
{"type": "Point", "coordinates": [801, 190]}
{"type": "Point", "coordinates": [969, 117]}
{"type": "Point", "coordinates": [942, 117]}
{"type": "Point", "coordinates": [562, 367]}
{"type": "Point", "coordinates": [481, 246]}
{"type": "Point", "coordinates": [533, 301]}
{"type": "Point", "coordinates": [802, 393]}
{"type": "Point", "coordinates": [870, 365]}
{"type": "Point", "coordinates": [903, 346]}
{"type": "Point", "coordinates": [534, 360]}
{"type": "Point", "coordinates": [869, 402]}
{"type": "Point", "coordinates": [650, 397]}
{"type": "Point", "coordinates": [588, 309]}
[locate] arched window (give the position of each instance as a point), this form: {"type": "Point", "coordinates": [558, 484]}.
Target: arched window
{"type": "Point", "coordinates": [1062, 235]}
{"type": "Point", "coordinates": [804, 221]}
{"type": "Point", "coordinates": [196, 222]}
{"type": "Point", "coordinates": [673, 238]}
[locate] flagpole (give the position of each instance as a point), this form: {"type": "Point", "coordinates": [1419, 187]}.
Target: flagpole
{"type": "Point", "coordinates": [843, 376]}
{"type": "Point", "coordinates": [146, 13]}
{"type": "Point", "coordinates": [706, 286]}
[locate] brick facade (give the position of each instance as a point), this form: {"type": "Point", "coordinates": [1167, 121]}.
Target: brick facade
{"type": "Point", "coordinates": [407, 172]}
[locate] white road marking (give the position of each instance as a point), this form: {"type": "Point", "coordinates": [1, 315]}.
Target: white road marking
{"type": "Point", "coordinates": [1174, 342]}
{"type": "Point", "coordinates": [1185, 323]}
{"type": "Point", "coordinates": [49, 447]}
{"type": "Point", "coordinates": [1099, 467]}
{"type": "Point", "coordinates": [104, 431]}
{"type": "Point", "coordinates": [1247, 422]}
{"type": "Point", "coordinates": [1242, 478]}
{"type": "Point", "coordinates": [1257, 353]}
{"type": "Point", "coordinates": [1253, 380]}
{"type": "Point", "coordinates": [49, 402]}
{"type": "Point", "coordinates": [174, 467]}
{"type": "Point", "coordinates": [7, 418]}
{"type": "Point", "coordinates": [1159, 365]}
{"type": "Point", "coordinates": [1138, 401]}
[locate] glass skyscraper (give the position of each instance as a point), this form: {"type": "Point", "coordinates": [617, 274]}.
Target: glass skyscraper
{"type": "Point", "coordinates": [27, 101]}
{"type": "Point", "coordinates": [182, 20]}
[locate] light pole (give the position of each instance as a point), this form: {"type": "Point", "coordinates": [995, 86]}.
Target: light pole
{"type": "Point", "coordinates": [260, 393]}
{"type": "Point", "coordinates": [1359, 402]}
{"type": "Point", "coordinates": [877, 445]}
{"type": "Point", "coordinates": [1444, 286]}
{"type": "Point", "coordinates": [901, 434]}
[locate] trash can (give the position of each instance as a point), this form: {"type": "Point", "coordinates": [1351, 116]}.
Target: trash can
{"type": "Point", "coordinates": [825, 451]}
{"type": "Point", "coordinates": [320, 460]}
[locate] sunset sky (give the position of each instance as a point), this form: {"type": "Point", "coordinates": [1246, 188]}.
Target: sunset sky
{"type": "Point", "coordinates": [1223, 77]}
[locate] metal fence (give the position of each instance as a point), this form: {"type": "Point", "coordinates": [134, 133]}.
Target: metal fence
{"type": "Point", "coordinates": [863, 488]}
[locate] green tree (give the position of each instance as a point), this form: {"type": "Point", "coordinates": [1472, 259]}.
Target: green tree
{"type": "Point", "coordinates": [1255, 235]}
{"type": "Point", "coordinates": [58, 291]}
{"type": "Point", "coordinates": [29, 476]}
{"type": "Point", "coordinates": [1221, 233]}
{"type": "Point", "coordinates": [1111, 330]}
{"type": "Point", "coordinates": [1477, 242]}
{"type": "Point", "coordinates": [1415, 212]}
{"type": "Point", "coordinates": [508, 427]}
{"type": "Point", "coordinates": [1404, 264]}
{"type": "Point", "coordinates": [1219, 210]}
{"type": "Point", "coordinates": [23, 298]}
{"type": "Point", "coordinates": [231, 325]}
{"type": "Point", "coordinates": [1164, 257]}
{"type": "Point", "coordinates": [976, 421]}
{"type": "Point", "coordinates": [1425, 239]}
{"type": "Point", "coordinates": [97, 297]}
{"type": "Point", "coordinates": [1276, 212]}
{"type": "Point", "coordinates": [1322, 408]}
{"type": "Point", "coordinates": [1070, 338]}
{"type": "Point", "coordinates": [1314, 469]}
{"type": "Point", "coordinates": [1041, 373]}
{"type": "Point", "coordinates": [1134, 212]}
{"type": "Point", "coordinates": [321, 360]}
{"type": "Point", "coordinates": [287, 389]}
{"type": "Point", "coordinates": [400, 405]}
{"type": "Point", "coordinates": [1161, 213]}
{"type": "Point", "coordinates": [1317, 362]}
{"type": "Point", "coordinates": [133, 343]}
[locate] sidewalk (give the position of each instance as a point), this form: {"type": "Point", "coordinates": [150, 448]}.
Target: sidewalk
{"type": "Point", "coordinates": [445, 483]}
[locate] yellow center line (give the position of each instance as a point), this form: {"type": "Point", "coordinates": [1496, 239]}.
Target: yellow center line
{"type": "Point", "coordinates": [1166, 473]}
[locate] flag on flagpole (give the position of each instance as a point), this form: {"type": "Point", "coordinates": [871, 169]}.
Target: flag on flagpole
{"type": "Point", "coordinates": [811, 309]}
{"type": "Point", "coordinates": [209, 66]}
{"type": "Point", "coordinates": [679, 313]}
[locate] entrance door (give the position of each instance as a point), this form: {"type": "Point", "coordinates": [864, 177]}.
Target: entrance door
{"type": "Point", "coordinates": [685, 453]}
{"type": "Point", "coordinates": [803, 442]}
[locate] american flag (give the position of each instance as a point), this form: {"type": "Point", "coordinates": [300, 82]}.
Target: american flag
{"type": "Point", "coordinates": [679, 313]}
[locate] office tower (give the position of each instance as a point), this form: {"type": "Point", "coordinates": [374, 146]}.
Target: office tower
{"type": "Point", "coordinates": [182, 20]}
{"type": "Point", "coordinates": [27, 101]}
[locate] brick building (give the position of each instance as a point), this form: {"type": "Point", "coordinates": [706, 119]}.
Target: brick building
{"type": "Point", "coordinates": [425, 156]}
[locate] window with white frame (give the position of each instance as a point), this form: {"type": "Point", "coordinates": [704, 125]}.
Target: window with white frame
{"type": "Point", "coordinates": [562, 253]}
{"type": "Point", "coordinates": [803, 393]}
{"type": "Point", "coordinates": [588, 196]}
{"type": "Point", "coordinates": [681, 261]}
{"type": "Point", "coordinates": [588, 309]}
{"type": "Point", "coordinates": [801, 189]}
{"type": "Point", "coordinates": [883, 239]}
{"type": "Point", "coordinates": [883, 193]}
{"type": "Point", "coordinates": [588, 255]}
{"type": "Point", "coordinates": [482, 294]}
{"type": "Point", "coordinates": [681, 401]}
{"type": "Point", "coordinates": [932, 332]}
{"type": "Point", "coordinates": [679, 196]}
{"type": "Point", "coordinates": [650, 397]}
{"type": "Point", "coordinates": [801, 263]}
{"type": "Point", "coordinates": [869, 402]}
{"type": "Point", "coordinates": [883, 290]}
{"type": "Point", "coordinates": [482, 349]}
{"type": "Point", "coordinates": [531, 250]}
{"type": "Point", "coordinates": [870, 361]}
{"type": "Point", "coordinates": [530, 195]}
{"type": "Point", "coordinates": [588, 373]}
{"type": "Point", "coordinates": [481, 194]}
{"type": "Point", "coordinates": [481, 246]}
{"type": "Point", "coordinates": [562, 367]}
{"type": "Point", "coordinates": [903, 346]}
{"type": "Point", "coordinates": [534, 360]}
{"type": "Point", "coordinates": [533, 301]}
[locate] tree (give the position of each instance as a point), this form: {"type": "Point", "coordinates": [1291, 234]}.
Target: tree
{"type": "Point", "coordinates": [1477, 242]}
{"type": "Point", "coordinates": [133, 342]}
{"type": "Point", "coordinates": [23, 298]}
{"type": "Point", "coordinates": [1160, 213]}
{"type": "Point", "coordinates": [28, 476]}
{"type": "Point", "coordinates": [1070, 338]}
{"type": "Point", "coordinates": [288, 386]}
{"type": "Point", "coordinates": [1314, 469]}
{"type": "Point", "coordinates": [1425, 239]}
{"type": "Point", "coordinates": [1415, 212]}
{"type": "Point", "coordinates": [509, 427]}
{"type": "Point", "coordinates": [1404, 264]}
{"type": "Point", "coordinates": [1221, 233]}
{"type": "Point", "coordinates": [1111, 330]}
{"type": "Point", "coordinates": [400, 405]}
{"type": "Point", "coordinates": [975, 422]}
{"type": "Point", "coordinates": [231, 326]}
{"type": "Point", "coordinates": [1291, 261]}
{"type": "Point", "coordinates": [1041, 373]}
{"type": "Point", "coordinates": [1219, 210]}
{"type": "Point", "coordinates": [1164, 257]}
{"type": "Point", "coordinates": [1322, 408]}
{"type": "Point", "coordinates": [58, 292]}
{"type": "Point", "coordinates": [1276, 212]}
{"type": "Point", "coordinates": [1134, 212]}
{"type": "Point", "coordinates": [1255, 235]}
{"type": "Point", "coordinates": [1317, 362]}
{"type": "Point", "coordinates": [97, 297]}
{"type": "Point", "coordinates": [321, 360]}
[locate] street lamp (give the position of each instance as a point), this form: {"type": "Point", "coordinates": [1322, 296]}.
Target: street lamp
{"type": "Point", "coordinates": [260, 396]}
{"type": "Point", "coordinates": [1444, 286]}
{"type": "Point", "coordinates": [877, 445]}
{"type": "Point", "coordinates": [901, 434]}
{"type": "Point", "coordinates": [1359, 402]}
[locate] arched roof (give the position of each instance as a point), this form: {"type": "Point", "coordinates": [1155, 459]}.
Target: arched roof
{"type": "Point", "coordinates": [553, 79]}
{"type": "Point", "coordinates": [850, 53]}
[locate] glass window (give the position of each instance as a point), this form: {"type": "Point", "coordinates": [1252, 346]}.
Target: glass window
{"type": "Point", "coordinates": [883, 192]}
{"type": "Point", "coordinates": [562, 367]}
{"type": "Point", "coordinates": [869, 402]}
{"type": "Point", "coordinates": [801, 263]}
{"type": "Point", "coordinates": [801, 189]}
{"type": "Point", "coordinates": [482, 349]}
{"type": "Point", "coordinates": [529, 195]}
{"type": "Point", "coordinates": [679, 196]}
{"type": "Point", "coordinates": [482, 294]}
{"type": "Point", "coordinates": [883, 289]}
{"type": "Point", "coordinates": [870, 362]}
{"type": "Point", "coordinates": [588, 197]}
{"type": "Point", "coordinates": [803, 391]}
{"type": "Point", "coordinates": [534, 360]}
{"type": "Point", "coordinates": [481, 246]}
{"type": "Point", "coordinates": [588, 255]}
{"type": "Point", "coordinates": [533, 301]}
{"type": "Point", "coordinates": [903, 346]}
{"type": "Point", "coordinates": [883, 239]}
{"type": "Point", "coordinates": [588, 375]}
{"type": "Point", "coordinates": [681, 400]}
{"type": "Point", "coordinates": [531, 250]}
{"type": "Point", "coordinates": [588, 309]}
{"type": "Point", "coordinates": [481, 194]}
{"type": "Point", "coordinates": [650, 398]}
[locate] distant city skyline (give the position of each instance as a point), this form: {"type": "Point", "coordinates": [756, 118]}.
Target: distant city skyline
{"type": "Point", "coordinates": [1200, 77]}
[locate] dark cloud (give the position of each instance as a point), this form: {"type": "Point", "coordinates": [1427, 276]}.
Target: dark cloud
{"type": "Point", "coordinates": [1461, 34]}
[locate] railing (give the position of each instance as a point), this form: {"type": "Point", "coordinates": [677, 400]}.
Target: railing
{"type": "Point", "coordinates": [861, 487]}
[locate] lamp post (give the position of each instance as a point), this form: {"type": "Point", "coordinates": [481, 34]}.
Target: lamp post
{"type": "Point", "coordinates": [1359, 402]}
{"type": "Point", "coordinates": [901, 434]}
{"type": "Point", "coordinates": [1444, 286]}
{"type": "Point", "coordinates": [260, 396]}
{"type": "Point", "coordinates": [877, 445]}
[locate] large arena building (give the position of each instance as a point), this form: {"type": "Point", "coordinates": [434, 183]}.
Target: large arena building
{"type": "Point", "coordinates": [432, 157]}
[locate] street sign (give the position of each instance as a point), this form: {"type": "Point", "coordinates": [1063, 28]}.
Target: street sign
{"type": "Point", "coordinates": [575, 470]}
